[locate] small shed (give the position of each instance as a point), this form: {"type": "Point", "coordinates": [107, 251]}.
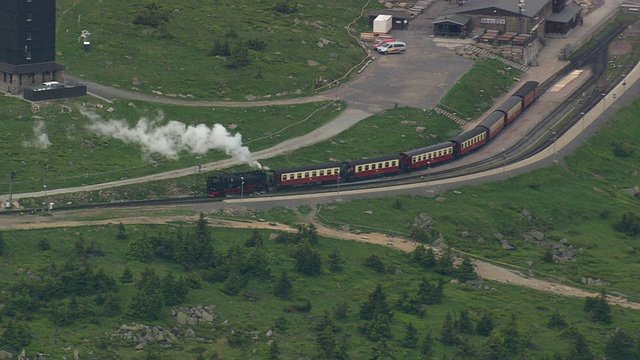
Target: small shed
{"type": "Point", "coordinates": [382, 24]}
{"type": "Point", "coordinates": [452, 25]}
{"type": "Point", "coordinates": [563, 22]}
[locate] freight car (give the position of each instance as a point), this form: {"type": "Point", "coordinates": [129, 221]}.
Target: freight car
{"type": "Point", "coordinates": [358, 170]}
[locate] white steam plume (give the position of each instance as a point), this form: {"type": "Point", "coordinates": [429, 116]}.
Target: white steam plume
{"type": "Point", "coordinates": [41, 140]}
{"type": "Point", "coordinates": [171, 138]}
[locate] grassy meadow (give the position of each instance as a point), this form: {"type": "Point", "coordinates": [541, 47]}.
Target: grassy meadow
{"type": "Point", "coordinates": [72, 154]}
{"type": "Point", "coordinates": [173, 57]}
{"type": "Point", "coordinates": [295, 332]}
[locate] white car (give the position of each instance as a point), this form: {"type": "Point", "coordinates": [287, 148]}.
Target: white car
{"type": "Point", "coordinates": [394, 47]}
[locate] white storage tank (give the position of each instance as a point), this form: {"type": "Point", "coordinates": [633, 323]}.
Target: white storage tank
{"type": "Point", "coordinates": [382, 24]}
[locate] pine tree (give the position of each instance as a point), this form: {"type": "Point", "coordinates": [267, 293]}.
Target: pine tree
{"type": "Point", "coordinates": [598, 308]}
{"type": "Point", "coordinates": [169, 289]}
{"type": "Point", "coordinates": [621, 346]}
{"type": "Point", "coordinates": [122, 232]}
{"type": "Point", "coordinates": [445, 264]}
{"type": "Point", "coordinates": [283, 286]}
{"type": "Point", "coordinates": [485, 325]}
{"type": "Point", "coordinates": [140, 248]}
{"type": "Point", "coordinates": [335, 261]}
{"type": "Point", "coordinates": [557, 320]}
{"type": "Point", "coordinates": [127, 276]}
{"type": "Point", "coordinates": [466, 271]}
{"type": "Point", "coordinates": [274, 351]}
{"type": "Point", "coordinates": [493, 348]}
{"type": "Point", "coordinates": [148, 301]}
{"type": "Point", "coordinates": [15, 336]}
{"type": "Point", "coordinates": [382, 351]}
{"type": "Point", "coordinates": [579, 349]}
{"type": "Point", "coordinates": [375, 305]}
{"type": "Point", "coordinates": [426, 348]}
{"type": "Point", "coordinates": [448, 334]}
{"type": "Point", "coordinates": [511, 335]}
{"type": "Point", "coordinates": [256, 240]}
{"type": "Point", "coordinates": [465, 326]}
{"type": "Point", "coordinates": [308, 261]}
{"type": "Point", "coordinates": [341, 310]}
{"type": "Point", "coordinates": [410, 339]}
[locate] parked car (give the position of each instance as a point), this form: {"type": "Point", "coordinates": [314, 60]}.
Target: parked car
{"type": "Point", "coordinates": [380, 41]}
{"type": "Point", "coordinates": [394, 47]}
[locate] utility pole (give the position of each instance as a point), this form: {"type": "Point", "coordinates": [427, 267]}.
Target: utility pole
{"type": "Point", "coordinates": [12, 176]}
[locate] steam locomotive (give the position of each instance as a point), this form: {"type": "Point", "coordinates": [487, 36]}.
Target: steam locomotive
{"type": "Point", "coordinates": [358, 170]}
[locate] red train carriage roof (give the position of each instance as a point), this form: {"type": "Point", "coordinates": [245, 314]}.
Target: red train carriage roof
{"type": "Point", "coordinates": [469, 134]}
{"type": "Point", "coordinates": [492, 119]}
{"type": "Point", "coordinates": [526, 88]}
{"type": "Point", "coordinates": [308, 168]}
{"type": "Point", "coordinates": [442, 145]}
{"type": "Point", "coordinates": [373, 160]}
{"type": "Point", "coordinates": [510, 104]}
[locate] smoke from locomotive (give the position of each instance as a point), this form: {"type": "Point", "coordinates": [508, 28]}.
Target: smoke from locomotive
{"type": "Point", "coordinates": [173, 137]}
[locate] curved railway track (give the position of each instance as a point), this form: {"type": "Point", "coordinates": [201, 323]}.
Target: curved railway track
{"type": "Point", "coordinates": [556, 123]}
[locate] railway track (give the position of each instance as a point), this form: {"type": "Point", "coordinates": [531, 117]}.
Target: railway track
{"type": "Point", "coordinates": [541, 136]}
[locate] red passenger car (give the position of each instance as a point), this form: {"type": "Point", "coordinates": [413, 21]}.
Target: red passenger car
{"type": "Point", "coordinates": [423, 157]}
{"type": "Point", "coordinates": [368, 168]}
{"type": "Point", "coordinates": [307, 175]}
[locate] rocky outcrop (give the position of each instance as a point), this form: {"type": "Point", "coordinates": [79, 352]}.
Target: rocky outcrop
{"type": "Point", "coordinates": [194, 315]}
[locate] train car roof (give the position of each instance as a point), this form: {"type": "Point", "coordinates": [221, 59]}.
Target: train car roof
{"type": "Point", "coordinates": [492, 119]}
{"type": "Point", "coordinates": [376, 159]}
{"type": "Point", "coordinates": [308, 167]}
{"type": "Point", "coordinates": [469, 134]}
{"type": "Point", "coordinates": [526, 88]}
{"type": "Point", "coordinates": [442, 145]}
{"type": "Point", "coordinates": [509, 104]}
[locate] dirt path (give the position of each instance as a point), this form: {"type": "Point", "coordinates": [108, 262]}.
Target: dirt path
{"type": "Point", "coordinates": [486, 270]}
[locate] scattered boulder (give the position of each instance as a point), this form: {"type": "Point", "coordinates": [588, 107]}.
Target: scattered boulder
{"type": "Point", "coordinates": [537, 234]}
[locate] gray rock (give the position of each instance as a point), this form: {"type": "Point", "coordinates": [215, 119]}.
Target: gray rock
{"type": "Point", "coordinates": [464, 234]}
{"type": "Point", "coordinates": [269, 333]}
{"type": "Point", "coordinates": [440, 200]}
{"type": "Point", "coordinates": [506, 245]}
{"type": "Point", "coordinates": [498, 236]}
{"type": "Point", "coordinates": [189, 333]}
{"type": "Point", "coordinates": [5, 355]}
{"type": "Point", "coordinates": [537, 234]}
{"type": "Point", "coordinates": [181, 318]}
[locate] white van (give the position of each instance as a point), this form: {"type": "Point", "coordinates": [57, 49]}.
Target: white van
{"type": "Point", "coordinates": [394, 47]}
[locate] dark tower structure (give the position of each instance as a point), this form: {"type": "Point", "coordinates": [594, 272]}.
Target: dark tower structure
{"type": "Point", "coordinates": [28, 44]}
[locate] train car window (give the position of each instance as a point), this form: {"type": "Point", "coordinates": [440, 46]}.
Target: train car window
{"type": "Point", "coordinates": [284, 177]}
{"type": "Point", "coordinates": [321, 172]}
{"type": "Point", "coordinates": [366, 167]}
{"type": "Point", "coordinates": [313, 173]}
{"type": "Point", "coordinates": [306, 174]}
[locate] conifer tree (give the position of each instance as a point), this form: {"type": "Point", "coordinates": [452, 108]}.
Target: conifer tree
{"type": "Point", "coordinates": [283, 286]}
{"type": "Point", "coordinates": [426, 347]}
{"type": "Point", "coordinates": [410, 339]}
{"type": "Point", "coordinates": [466, 271]}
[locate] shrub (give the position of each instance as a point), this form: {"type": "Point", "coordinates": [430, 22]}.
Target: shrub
{"type": "Point", "coordinates": [629, 224]}
{"type": "Point", "coordinates": [622, 149]}
{"type": "Point", "coordinates": [256, 44]}
{"type": "Point", "coordinates": [152, 15]}
{"type": "Point", "coordinates": [285, 8]}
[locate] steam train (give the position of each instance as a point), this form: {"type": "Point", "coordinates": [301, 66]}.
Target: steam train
{"type": "Point", "coordinates": [358, 170]}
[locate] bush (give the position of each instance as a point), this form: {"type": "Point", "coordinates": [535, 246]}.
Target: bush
{"type": "Point", "coordinates": [285, 8]}
{"type": "Point", "coordinates": [256, 44]}
{"type": "Point", "coordinates": [621, 149]}
{"type": "Point", "coordinates": [152, 15]}
{"type": "Point", "coordinates": [629, 224]}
